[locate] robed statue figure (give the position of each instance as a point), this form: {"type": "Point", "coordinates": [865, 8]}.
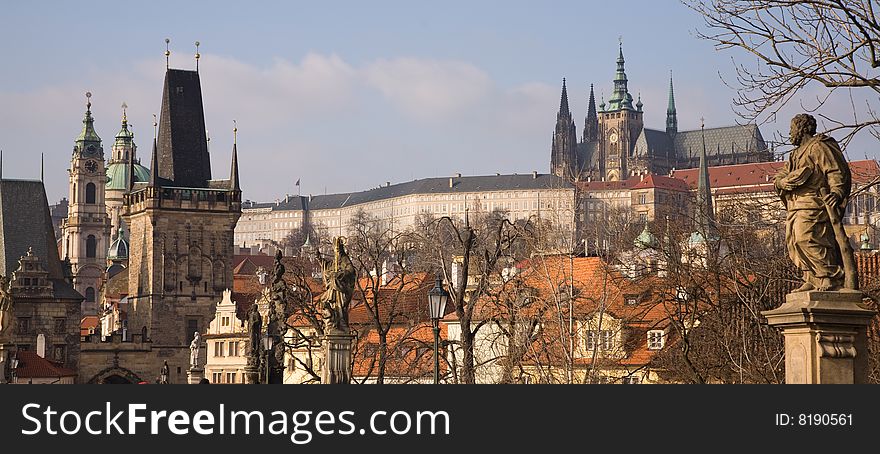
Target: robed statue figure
{"type": "Point", "coordinates": [814, 186]}
{"type": "Point", "coordinates": [5, 305]}
{"type": "Point", "coordinates": [339, 280]}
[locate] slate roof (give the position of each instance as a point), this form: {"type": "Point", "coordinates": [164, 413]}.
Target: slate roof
{"type": "Point", "coordinates": [424, 186]}
{"type": "Point", "coordinates": [741, 139]}
{"type": "Point", "coordinates": [182, 141]}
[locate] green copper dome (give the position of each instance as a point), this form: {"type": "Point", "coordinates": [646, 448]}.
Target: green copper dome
{"type": "Point", "coordinates": [646, 239]}
{"type": "Point", "coordinates": [117, 175]}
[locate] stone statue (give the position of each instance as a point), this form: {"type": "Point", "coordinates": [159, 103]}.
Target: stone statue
{"type": "Point", "coordinates": [339, 280]}
{"type": "Point", "coordinates": [165, 373]}
{"type": "Point", "coordinates": [814, 186]}
{"type": "Point", "coordinates": [255, 327]}
{"type": "Point", "coordinates": [195, 348]}
{"type": "Point", "coordinates": [5, 305]}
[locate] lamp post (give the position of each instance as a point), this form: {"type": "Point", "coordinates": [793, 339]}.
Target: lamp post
{"type": "Point", "coordinates": [268, 344]}
{"type": "Point", "coordinates": [437, 298]}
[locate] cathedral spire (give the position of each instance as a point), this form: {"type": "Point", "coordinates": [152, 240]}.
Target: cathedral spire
{"type": "Point", "coordinates": [233, 172]}
{"type": "Point", "coordinates": [620, 98]}
{"type": "Point", "coordinates": [591, 123]}
{"type": "Point", "coordinates": [671, 118]}
{"type": "Point", "coordinates": [563, 101]}
{"type": "Point", "coordinates": [705, 215]}
{"type": "Point", "coordinates": [563, 155]}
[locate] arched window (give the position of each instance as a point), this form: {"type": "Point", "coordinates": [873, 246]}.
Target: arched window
{"type": "Point", "coordinates": [90, 193]}
{"type": "Point", "coordinates": [91, 246]}
{"type": "Point", "coordinates": [90, 295]}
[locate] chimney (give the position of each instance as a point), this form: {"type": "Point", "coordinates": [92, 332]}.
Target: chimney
{"type": "Point", "coordinates": [535, 174]}
{"type": "Point", "coordinates": [450, 182]}
{"type": "Point", "coordinates": [589, 179]}
{"type": "Point", "coordinates": [387, 184]}
{"type": "Point", "coordinates": [641, 177]}
{"type": "Point", "coordinates": [458, 175]}
{"type": "Point", "coordinates": [497, 174]}
{"type": "Point", "coordinates": [310, 197]}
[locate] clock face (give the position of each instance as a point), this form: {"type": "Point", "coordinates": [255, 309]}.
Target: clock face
{"type": "Point", "coordinates": [613, 137]}
{"type": "Point", "coordinates": [91, 166]}
{"type": "Point", "coordinates": [91, 149]}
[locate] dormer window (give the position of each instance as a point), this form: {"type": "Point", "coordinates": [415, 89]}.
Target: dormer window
{"type": "Point", "coordinates": [656, 339]}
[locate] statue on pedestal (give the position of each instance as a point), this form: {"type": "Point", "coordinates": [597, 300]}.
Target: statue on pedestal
{"type": "Point", "coordinates": [255, 327]}
{"type": "Point", "coordinates": [195, 348]}
{"type": "Point", "coordinates": [339, 280]}
{"type": "Point", "coordinates": [814, 186]}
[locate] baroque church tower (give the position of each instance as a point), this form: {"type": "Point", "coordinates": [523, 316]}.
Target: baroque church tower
{"type": "Point", "coordinates": [181, 224]}
{"type": "Point", "coordinates": [563, 151]}
{"type": "Point", "coordinates": [619, 126]}
{"type": "Point", "coordinates": [86, 230]}
{"type": "Point", "coordinates": [122, 167]}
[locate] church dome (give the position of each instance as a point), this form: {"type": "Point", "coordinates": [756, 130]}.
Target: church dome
{"type": "Point", "coordinates": [117, 175]}
{"type": "Point", "coordinates": [118, 248]}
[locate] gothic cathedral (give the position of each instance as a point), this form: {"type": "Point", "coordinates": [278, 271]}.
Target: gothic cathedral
{"type": "Point", "coordinates": [616, 145]}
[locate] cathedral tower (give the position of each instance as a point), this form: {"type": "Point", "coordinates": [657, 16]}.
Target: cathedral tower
{"type": "Point", "coordinates": [86, 231]}
{"type": "Point", "coordinates": [619, 125]}
{"type": "Point", "coordinates": [563, 152]}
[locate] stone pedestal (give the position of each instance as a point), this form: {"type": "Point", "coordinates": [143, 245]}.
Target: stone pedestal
{"type": "Point", "coordinates": [825, 336]}
{"type": "Point", "coordinates": [251, 375]}
{"type": "Point", "coordinates": [337, 358]}
{"type": "Point", "coordinates": [194, 375]}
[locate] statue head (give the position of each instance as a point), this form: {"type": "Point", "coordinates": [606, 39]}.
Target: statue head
{"type": "Point", "coordinates": [803, 126]}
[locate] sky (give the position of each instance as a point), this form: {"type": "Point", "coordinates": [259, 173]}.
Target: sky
{"type": "Point", "coordinates": [346, 96]}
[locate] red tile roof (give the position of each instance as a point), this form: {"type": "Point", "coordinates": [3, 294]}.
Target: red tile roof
{"type": "Point", "coordinates": [662, 182]}
{"type": "Point", "coordinates": [248, 264]}
{"type": "Point", "coordinates": [758, 176]}
{"type": "Point", "coordinates": [88, 324]}
{"type": "Point", "coordinates": [31, 365]}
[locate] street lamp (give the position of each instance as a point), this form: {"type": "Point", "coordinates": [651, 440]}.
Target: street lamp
{"type": "Point", "coordinates": [268, 343]}
{"type": "Point", "coordinates": [437, 298]}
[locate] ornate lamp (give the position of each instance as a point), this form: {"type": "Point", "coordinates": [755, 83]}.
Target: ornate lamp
{"type": "Point", "coordinates": [437, 299]}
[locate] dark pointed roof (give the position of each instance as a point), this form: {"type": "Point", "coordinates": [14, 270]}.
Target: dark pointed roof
{"type": "Point", "coordinates": [182, 144]}
{"type": "Point", "coordinates": [563, 102]}
{"type": "Point", "coordinates": [25, 222]}
{"type": "Point", "coordinates": [154, 162]}
{"type": "Point", "coordinates": [705, 215]}
{"type": "Point", "coordinates": [233, 173]}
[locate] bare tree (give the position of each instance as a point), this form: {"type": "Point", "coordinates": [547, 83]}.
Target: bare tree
{"type": "Point", "coordinates": [832, 43]}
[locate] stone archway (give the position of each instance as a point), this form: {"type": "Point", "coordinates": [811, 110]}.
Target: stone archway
{"type": "Point", "coordinates": [115, 376]}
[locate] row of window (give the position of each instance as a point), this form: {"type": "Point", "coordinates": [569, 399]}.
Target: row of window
{"type": "Point", "coordinates": [224, 348]}
{"type": "Point", "coordinates": [224, 377]}
{"type": "Point", "coordinates": [605, 340]}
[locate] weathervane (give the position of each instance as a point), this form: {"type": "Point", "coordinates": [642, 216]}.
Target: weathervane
{"type": "Point", "coordinates": [124, 116]}
{"type": "Point", "coordinates": [155, 124]}
{"type": "Point", "coordinates": [234, 132]}
{"type": "Point", "coordinates": [167, 52]}
{"type": "Point", "coordinates": [88, 100]}
{"type": "Point", "coordinates": [197, 56]}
